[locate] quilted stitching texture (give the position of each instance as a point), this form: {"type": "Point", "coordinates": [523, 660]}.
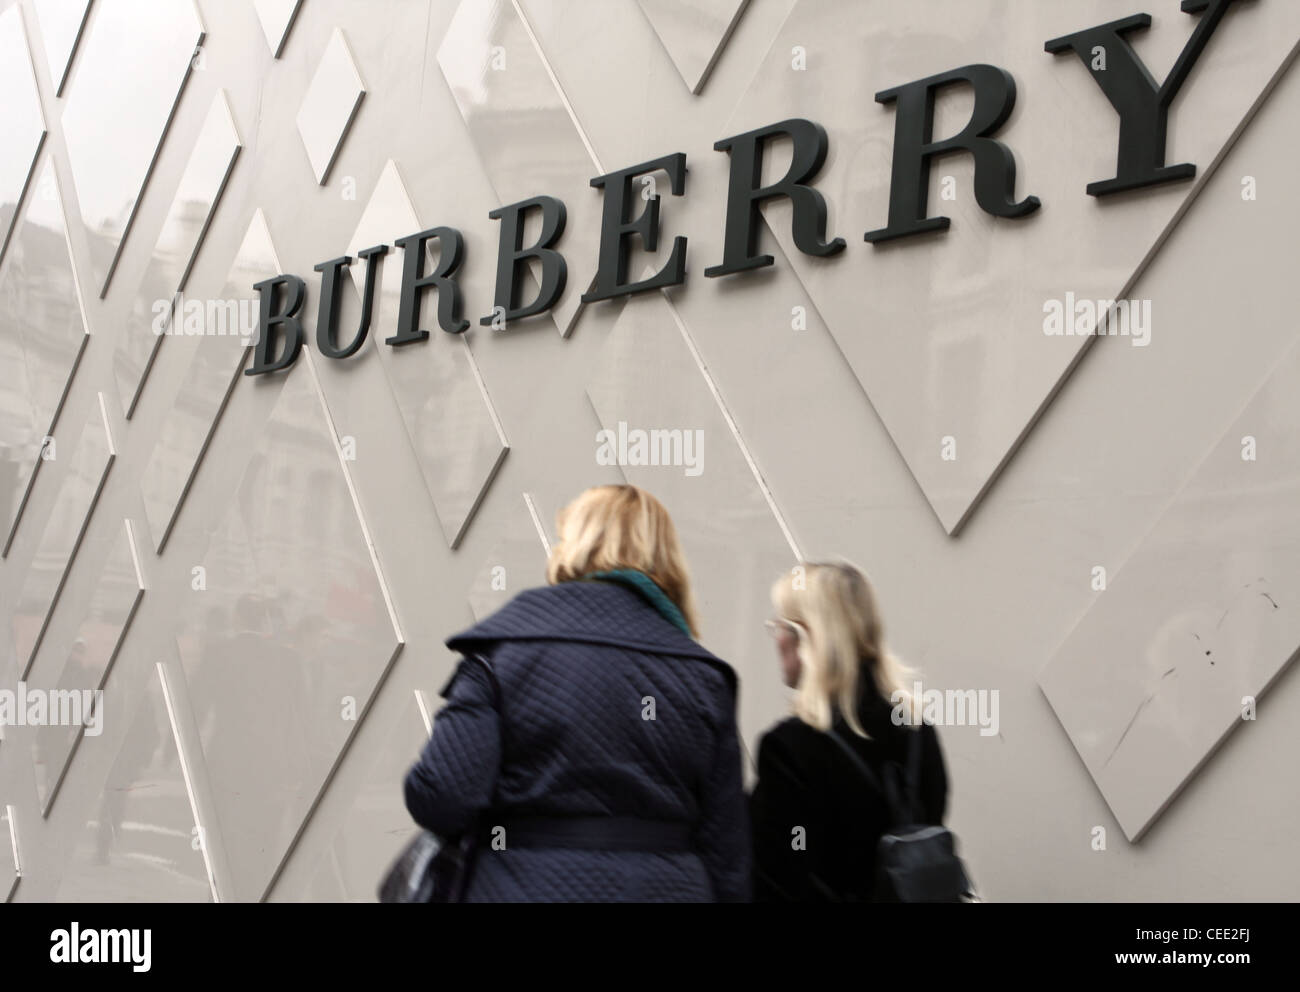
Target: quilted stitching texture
{"type": "Point", "coordinates": [576, 663]}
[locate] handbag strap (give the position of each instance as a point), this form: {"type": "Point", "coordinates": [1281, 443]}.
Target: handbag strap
{"type": "Point", "coordinates": [899, 812]}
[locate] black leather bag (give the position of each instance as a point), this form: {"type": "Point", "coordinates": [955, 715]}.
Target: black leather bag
{"type": "Point", "coordinates": [432, 868]}
{"type": "Point", "coordinates": [429, 869]}
{"type": "Point", "coordinates": [915, 862]}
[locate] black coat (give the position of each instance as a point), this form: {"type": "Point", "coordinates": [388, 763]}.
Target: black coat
{"type": "Point", "coordinates": [578, 664]}
{"type": "Point", "coordinates": [805, 780]}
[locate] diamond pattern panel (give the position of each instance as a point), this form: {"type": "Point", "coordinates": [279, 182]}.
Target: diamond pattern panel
{"type": "Point", "coordinates": [152, 317]}
{"type": "Point", "coordinates": [214, 369]}
{"type": "Point", "coordinates": [42, 334]}
{"type": "Point", "coordinates": [694, 32]}
{"type": "Point", "coordinates": [288, 640]}
{"type": "Point", "coordinates": [1152, 679]}
{"type": "Point", "coordinates": [449, 418]}
{"type": "Point", "coordinates": [376, 825]}
{"type": "Point", "coordinates": [945, 333]}
{"type": "Point", "coordinates": [62, 23]}
{"type": "Point", "coordinates": [516, 562]}
{"type": "Point", "coordinates": [330, 106]}
{"type": "Point", "coordinates": [21, 121]}
{"type": "Point", "coordinates": [90, 459]}
{"type": "Point", "coordinates": [141, 841]}
{"type": "Point", "coordinates": [276, 18]}
{"type": "Point", "coordinates": [87, 663]}
{"type": "Point", "coordinates": [525, 136]}
{"type": "Point", "coordinates": [1204, 607]}
{"type": "Point", "coordinates": [137, 54]}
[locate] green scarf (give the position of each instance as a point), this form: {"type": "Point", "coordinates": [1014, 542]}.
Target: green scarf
{"type": "Point", "coordinates": [647, 587]}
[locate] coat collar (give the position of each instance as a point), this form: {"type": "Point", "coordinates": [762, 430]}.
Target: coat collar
{"type": "Point", "coordinates": [589, 613]}
{"type": "Point", "coordinates": [647, 587]}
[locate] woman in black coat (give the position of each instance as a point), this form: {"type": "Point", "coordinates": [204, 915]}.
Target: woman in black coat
{"type": "Point", "coordinates": [608, 769]}
{"type": "Point", "coordinates": [816, 818]}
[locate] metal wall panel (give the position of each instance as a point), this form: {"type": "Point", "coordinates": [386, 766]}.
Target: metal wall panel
{"type": "Point", "coordinates": [304, 541]}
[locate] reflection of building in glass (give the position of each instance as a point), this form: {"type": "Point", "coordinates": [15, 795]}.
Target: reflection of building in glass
{"type": "Point", "coordinates": [41, 333]}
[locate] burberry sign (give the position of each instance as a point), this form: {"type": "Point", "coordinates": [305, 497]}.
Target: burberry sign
{"type": "Point", "coordinates": [1141, 104]}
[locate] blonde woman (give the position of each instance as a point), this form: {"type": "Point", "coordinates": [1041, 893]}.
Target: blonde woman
{"type": "Point", "coordinates": [816, 817]}
{"type": "Point", "coordinates": [605, 766]}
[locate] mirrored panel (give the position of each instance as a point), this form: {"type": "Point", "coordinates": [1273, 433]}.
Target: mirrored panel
{"type": "Point", "coordinates": [288, 638]}
{"type": "Point", "coordinates": [42, 337]}
{"type": "Point", "coordinates": [449, 418]}
{"type": "Point", "coordinates": [152, 319]}
{"type": "Point", "coordinates": [229, 325]}
{"type": "Point", "coordinates": [330, 106]}
{"type": "Point", "coordinates": [141, 842]}
{"type": "Point", "coordinates": [135, 59]}
{"type": "Point", "coordinates": [62, 23]}
{"type": "Point", "coordinates": [21, 121]}
{"type": "Point", "coordinates": [86, 667]}
{"type": "Point", "coordinates": [90, 458]}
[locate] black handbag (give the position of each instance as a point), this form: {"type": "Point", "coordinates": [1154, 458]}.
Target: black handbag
{"type": "Point", "coordinates": [433, 868]}
{"type": "Point", "coordinates": [429, 869]}
{"type": "Point", "coordinates": [915, 862]}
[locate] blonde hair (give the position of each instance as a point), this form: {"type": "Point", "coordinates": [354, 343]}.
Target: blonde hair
{"type": "Point", "coordinates": [609, 527]}
{"type": "Point", "coordinates": [833, 607]}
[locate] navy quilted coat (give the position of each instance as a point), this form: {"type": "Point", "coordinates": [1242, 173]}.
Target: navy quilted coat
{"type": "Point", "coordinates": [576, 663]}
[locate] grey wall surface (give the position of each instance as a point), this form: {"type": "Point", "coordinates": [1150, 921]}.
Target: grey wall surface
{"type": "Point", "coordinates": [260, 571]}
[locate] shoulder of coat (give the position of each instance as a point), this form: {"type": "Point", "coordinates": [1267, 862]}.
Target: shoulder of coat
{"type": "Point", "coordinates": [792, 732]}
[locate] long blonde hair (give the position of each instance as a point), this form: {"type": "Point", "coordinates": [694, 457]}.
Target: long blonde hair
{"type": "Point", "coordinates": [833, 607]}
{"type": "Point", "coordinates": [609, 527]}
